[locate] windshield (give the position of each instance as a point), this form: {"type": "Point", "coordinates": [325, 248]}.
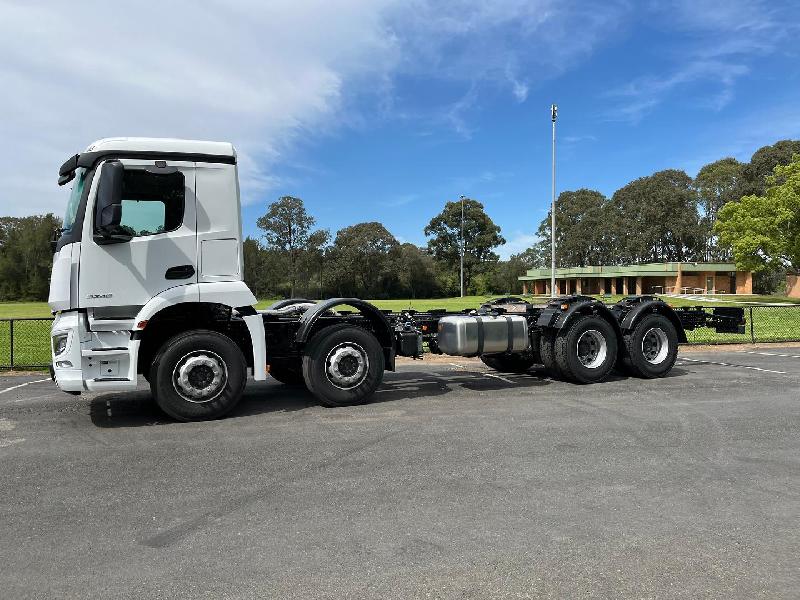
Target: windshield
{"type": "Point", "coordinates": [74, 199]}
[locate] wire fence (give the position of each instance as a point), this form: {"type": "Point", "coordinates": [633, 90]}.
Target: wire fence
{"type": "Point", "coordinates": [765, 323]}
{"type": "Point", "coordinates": [25, 343]}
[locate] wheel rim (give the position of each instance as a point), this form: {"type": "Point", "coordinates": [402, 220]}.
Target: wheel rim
{"type": "Point", "coordinates": [200, 376]}
{"type": "Point", "coordinates": [346, 365]}
{"type": "Point", "coordinates": [592, 349]}
{"type": "Point", "coordinates": [655, 345]}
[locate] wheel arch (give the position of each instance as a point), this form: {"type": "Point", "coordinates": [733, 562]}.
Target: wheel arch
{"type": "Point", "coordinates": [634, 317]}
{"type": "Point", "coordinates": [175, 318]}
{"type": "Point", "coordinates": [380, 324]}
{"type": "Point", "coordinates": [585, 308]}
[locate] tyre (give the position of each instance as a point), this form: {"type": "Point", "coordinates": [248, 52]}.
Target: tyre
{"type": "Point", "coordinates": [198, 375]}
{"type": "Point", "coordinates": [508, 363]}
{"type": "Point", "coordinates": [651, 348]}
{"type": "Point", "coordinates": [343, 365]}
{"type": "Point", "coordinates": [586, 350]}
{"type": "Point", "coordinates": [547, 352]}
{"type": "Point", "coordinates": [287, 375]}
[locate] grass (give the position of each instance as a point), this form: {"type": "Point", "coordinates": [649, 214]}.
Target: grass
{"type": "Point", "coordinates": [776, 323]}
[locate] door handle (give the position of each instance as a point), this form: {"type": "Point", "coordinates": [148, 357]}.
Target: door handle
{"type": "Point", "coordinates": [179, 272]}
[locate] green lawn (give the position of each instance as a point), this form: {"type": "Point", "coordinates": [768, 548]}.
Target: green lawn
{"type": "Point", "coordinates": [776, 323]}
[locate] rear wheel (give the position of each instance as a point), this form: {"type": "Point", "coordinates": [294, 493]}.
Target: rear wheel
{"type": "Point", "coordinates": [509, 362]}
{"type": "Point", "coordinates": [343, 365]}
{"type": "Point", "coordinates": [586, 350]}
{"type": "Point", "coordinates": [652, 347]}
{"type": "Point", "coordinates": [198, 375]}
{"type": "Point", "coordinates": [547, 352]}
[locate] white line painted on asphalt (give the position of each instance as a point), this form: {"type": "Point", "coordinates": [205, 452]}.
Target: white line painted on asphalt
{"type": "Point", "coordinates": [457, 365]}
{"type": "Point", "coordinates": [770, 354]}
{"type": "Point", "coordinates": [722, 364]}
{"type": "Point", "coordinates": [497, 377]}
{"type": "Point", "coordinates": [5, 443]}
{"type": "Point", "coordinates": [21, 385]}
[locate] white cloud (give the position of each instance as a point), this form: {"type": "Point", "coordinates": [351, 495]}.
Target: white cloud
{"type": "Point", "coordinates": [717, 41]}
{"type": "Point", "coordinates": [259, 74]}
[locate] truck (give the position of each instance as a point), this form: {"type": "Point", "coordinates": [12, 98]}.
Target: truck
{"type": "Point", "coordinates": [147, 279]}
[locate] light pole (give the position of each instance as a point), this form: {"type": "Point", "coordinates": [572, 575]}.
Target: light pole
{"type": "Point", "coordinates": [462, 246]}
{"type": "Point", "coordinates": [553, 116]}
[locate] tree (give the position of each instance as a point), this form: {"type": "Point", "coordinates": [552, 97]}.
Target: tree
{"type": "Point", "coordinates": [286, 226]}
{"type": "Point", "coordinates": [764, 231]}
{"type": "Point", "coordinates": [503, 278]}
{"type": "Point", "coordinates": [656, 219]}
{"type": "Point", "coordinates": [717, 184]}
{"type": "Point", "coordinates": [583, 231]}
{"type": "Point", "coordinates": [416, 272]}
{"type": "Point", "coordinates": [25, 256]}
{"type": "Point", "coordinates": [481, 236]}
{"type": "Point", "coordinates": [762, 163]}
{"type": "Point", "coordinates": [362, 261]}
{"type": "Point", "coordinates": [312, 260]}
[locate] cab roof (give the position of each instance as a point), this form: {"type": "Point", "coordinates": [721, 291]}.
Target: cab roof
{"type": "Point", "coordinates": [145, 144]}
{"type": "Point", "coordinates": [147, 148]}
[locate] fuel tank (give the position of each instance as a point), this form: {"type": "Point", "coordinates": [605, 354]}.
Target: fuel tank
{"type": "Point", "coordinates": [468, 335]}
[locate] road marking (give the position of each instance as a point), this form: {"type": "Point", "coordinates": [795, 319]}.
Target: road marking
{"type": "Point", "coordinates": [457, 365]}
{"type": "Point", "coordinates": [770, 354]}
{"type": "Point", "coordinates": [497, 377]}
{"type": "Point", "coordinates": [21, 385]}
{"type": "Point", "coordinates": [722, 364]}
{"type": "Point", "coordinates": [5, 443]}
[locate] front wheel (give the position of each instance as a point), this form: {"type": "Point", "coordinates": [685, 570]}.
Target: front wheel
{"type": "Point", "coordinates": [198, 375]}
{"type": "Point", "coordinates": [343, 365]}
{"type": "Point", "coordinates": [586, 350]}
{"type": "Point", "coordinates": [652, 347]}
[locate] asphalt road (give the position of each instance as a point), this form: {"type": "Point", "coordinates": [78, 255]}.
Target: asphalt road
{"type": "Point", "coordinates": [456, 483]}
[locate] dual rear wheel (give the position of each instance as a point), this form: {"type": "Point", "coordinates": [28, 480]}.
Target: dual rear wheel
{"type": "Point", "coordinates": [588, 349]}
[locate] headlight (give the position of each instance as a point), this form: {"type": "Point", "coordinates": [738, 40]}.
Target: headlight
{"type": "Point", "coordinates": [60, 343]}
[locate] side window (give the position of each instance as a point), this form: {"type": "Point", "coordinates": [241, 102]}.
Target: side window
{"type": "Point", "coordinates": [152, 203]}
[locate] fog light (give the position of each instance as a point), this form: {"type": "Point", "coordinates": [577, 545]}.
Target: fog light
{"type": "Point", "coordinates": [60, 343]}
{"type": "Point", "coordinates": [64, 364]}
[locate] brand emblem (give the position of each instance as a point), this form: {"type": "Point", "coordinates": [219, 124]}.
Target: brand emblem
{"type": "Point", "coordinates": [96, 296]}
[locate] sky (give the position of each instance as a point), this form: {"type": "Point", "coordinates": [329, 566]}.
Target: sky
{"type": "Point", "coordinates": [383, 110]}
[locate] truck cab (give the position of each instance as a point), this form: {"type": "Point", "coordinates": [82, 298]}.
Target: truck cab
{"type": "Point", "coordinates": [150, 224]}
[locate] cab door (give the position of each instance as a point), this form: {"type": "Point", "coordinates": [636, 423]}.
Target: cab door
{"type": "Point", "coordinates": [159, 213]}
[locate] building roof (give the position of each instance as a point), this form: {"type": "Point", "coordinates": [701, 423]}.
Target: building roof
{"type": "Point", "coordinates": [163, 145]}
{"type": "Point", "coordinates": [643, 270]}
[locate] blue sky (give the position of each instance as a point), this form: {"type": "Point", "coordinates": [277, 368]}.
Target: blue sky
{"type": "Point", "coordinates": [385, 109]}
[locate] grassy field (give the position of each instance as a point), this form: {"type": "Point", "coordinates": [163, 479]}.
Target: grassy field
{"type": "Point", "coordinates": [772, 323]}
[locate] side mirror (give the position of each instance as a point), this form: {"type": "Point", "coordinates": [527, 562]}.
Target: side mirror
{"type": "Point", "coordinates": [108, 205]}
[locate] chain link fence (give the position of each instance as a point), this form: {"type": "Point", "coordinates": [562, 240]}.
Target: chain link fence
{"type": "Point", "coordinates": [25, 343]}
{"type": "Point", "coordinates": [765, 323]}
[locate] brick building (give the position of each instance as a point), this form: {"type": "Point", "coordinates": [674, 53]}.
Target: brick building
{"type": "Point", "coordinates": [650, 278]}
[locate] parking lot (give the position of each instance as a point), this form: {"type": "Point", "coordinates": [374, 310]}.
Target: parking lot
{"type": "Point", "coordinates": [456, 482]}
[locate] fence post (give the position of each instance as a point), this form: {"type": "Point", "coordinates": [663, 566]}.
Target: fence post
{"type": "Point", "coordinates": [752, 331]}
{"type": "Point", "coordinates": [11, 337]}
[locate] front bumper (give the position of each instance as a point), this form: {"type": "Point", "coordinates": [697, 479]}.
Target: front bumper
{"type": "Point", "coordinates": [93, 360]}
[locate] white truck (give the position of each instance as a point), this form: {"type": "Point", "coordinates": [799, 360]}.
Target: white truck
{"type": "Point", "coordinates": [147, 280]}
